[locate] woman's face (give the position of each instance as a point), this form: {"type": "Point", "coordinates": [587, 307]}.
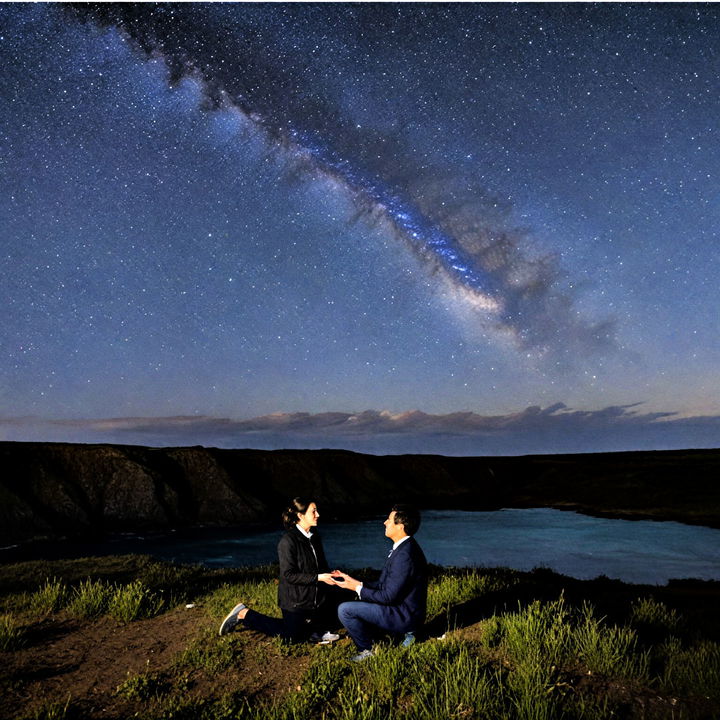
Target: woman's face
{"type": "Point", "coordinates": [309, 518]}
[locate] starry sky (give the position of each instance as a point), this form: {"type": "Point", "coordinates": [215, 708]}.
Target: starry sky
{"type": "Point", "coordinates": [401, 227]}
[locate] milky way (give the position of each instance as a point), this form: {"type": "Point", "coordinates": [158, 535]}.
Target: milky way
{"type": "Point", "coordinates": [441, 215]}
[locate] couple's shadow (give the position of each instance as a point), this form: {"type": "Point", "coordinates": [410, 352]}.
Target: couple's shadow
{"type": "Point", "coordinates": [471, 612]}
{"type": "Point", "coordinates": [540, 584]}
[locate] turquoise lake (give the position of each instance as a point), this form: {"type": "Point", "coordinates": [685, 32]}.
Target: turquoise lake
{"type": "Point", "coordinates": [578, 545]}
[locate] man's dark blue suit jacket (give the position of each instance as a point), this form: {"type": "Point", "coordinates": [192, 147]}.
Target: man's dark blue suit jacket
{"type": "Point", "coordinates": [401, 589]}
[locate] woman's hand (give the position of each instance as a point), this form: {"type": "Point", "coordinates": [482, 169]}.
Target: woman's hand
{"type": "Point", "coordinates": [326, 578]}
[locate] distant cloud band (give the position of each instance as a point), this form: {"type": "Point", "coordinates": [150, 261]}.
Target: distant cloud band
{"type": "Point", "coordinates": [556, 428]}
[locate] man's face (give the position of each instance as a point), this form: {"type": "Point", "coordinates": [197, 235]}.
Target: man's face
{"type": "Point", "coordinates": [393, 531]}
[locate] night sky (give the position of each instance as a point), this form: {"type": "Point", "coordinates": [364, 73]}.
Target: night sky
{"type": "Point", "coordinates": [460, 228]}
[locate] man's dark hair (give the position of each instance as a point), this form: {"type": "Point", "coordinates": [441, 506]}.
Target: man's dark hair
{"type": "Point", "coordinates": [408, 516]}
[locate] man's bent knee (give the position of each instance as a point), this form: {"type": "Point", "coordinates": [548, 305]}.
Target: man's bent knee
{"type": "Point", "coordinates": [345, 610]}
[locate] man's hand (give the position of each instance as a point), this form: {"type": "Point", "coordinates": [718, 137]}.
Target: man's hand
{"type": "Point", "coordinates": [348, 582]}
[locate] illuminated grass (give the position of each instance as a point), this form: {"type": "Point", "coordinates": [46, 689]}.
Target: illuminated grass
{"type": "Point", "coordinates": [90, 599]}
{"type": "Point", "coordinates": [49, 598]}
{"type": "Point", "coordinates": [134, 601]}
{"type": "Point", "coordinates": [693, 670]}
{"type": "Point", "coordinates": [11, 633]}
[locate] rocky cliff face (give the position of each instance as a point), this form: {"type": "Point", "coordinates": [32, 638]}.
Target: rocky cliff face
{"type": "Point", "coordinates": [55, 490]}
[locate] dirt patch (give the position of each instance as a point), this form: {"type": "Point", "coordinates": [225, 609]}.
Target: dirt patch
{"type": "Point", "coordinates": [86, 661]}
{"type": "Point", "coordinates": [260, 671]}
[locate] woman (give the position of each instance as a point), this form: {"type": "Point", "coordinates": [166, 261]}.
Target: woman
{"type": "Point", "coordinates": [302, 597]}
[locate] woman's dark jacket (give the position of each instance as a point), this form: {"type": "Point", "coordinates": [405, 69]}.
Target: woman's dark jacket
{"type": "Point", "coordinates": [299, 588]}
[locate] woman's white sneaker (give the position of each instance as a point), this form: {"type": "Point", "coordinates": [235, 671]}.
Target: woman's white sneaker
{"type": "Point", "coordinates": [231, 620]}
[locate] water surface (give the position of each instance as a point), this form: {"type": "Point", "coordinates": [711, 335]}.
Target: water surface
{"type": "Point", "coordinates": [578, 545]}
{"type": "Point", "coordinates": [584, 547]}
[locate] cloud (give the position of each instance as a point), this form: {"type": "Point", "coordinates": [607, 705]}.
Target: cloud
{"type": "Point", "coordinates": [554, 429]}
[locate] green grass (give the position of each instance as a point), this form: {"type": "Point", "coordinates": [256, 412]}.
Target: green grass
{"type": "Point", "coordinates": [609, 650]}
{"type": "Point", "coordinates": [11, 633]}
{"type": "Point", "coordinates": [435, 679]}
{"type": "Point", "coordinates": [49, 598]}
{"type": "Point", "coordinates": [134, 601]}
{"type": "Point", "coordinates": [529, 653]}
{"type": "Point", "coordinates": [90, 599]}
{"type": "Point", "coordinates": [534, 642]}
{"type": "Point", "coordinates": [322, 681]}
{"type": "Point", "coordinates": [53, 711]}
{"type": "Point", "coordinates": [260, 595]}
{"type": "Point", "coordinates": [520, 669]}
{"type": "Point", "coordinates": [693, 670]}
{"type": "Point", "coordinates": [143, 687]}
{"type": "Point", "coordinates": [655, 623]}
{"type": "Point", "coordinates": [175, 583]}
{"type": "Point", "coordinates": [649, 612]}
{"type": "Point", "coordinates": [212, 654]}
{"type": "Point", "coordinates": [447, 679]}
{"type": "Point", "coordinates": [543, 636]}
{"type": "Point", "coordinates": [454, 587]}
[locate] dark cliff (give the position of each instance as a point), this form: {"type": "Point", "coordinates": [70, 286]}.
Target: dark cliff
{"type": "Point", "coordinates": [55, 490]}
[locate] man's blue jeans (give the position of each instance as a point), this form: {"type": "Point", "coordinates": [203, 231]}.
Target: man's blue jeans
{"type": "Point", "coordinates": [364, 621]}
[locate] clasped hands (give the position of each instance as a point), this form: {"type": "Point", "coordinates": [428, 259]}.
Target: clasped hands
{"type": "Point", "coordinates": [339, 579]}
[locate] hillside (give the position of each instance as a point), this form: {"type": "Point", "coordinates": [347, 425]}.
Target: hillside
{"type": "Point", "coordinates": [126, 636]}
{"type": "Point", "coordinates": [60, 490]}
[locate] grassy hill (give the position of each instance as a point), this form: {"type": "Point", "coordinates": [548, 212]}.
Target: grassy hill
{"type": "Point", "coordinates": [113, 638]}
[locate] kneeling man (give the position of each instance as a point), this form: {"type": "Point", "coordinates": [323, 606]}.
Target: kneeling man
{"type": "Point", "coordinates": [396, 603]}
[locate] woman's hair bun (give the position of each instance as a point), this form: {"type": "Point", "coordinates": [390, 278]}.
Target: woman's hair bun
{"type": "Point", "coordinates": [290, 513]}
